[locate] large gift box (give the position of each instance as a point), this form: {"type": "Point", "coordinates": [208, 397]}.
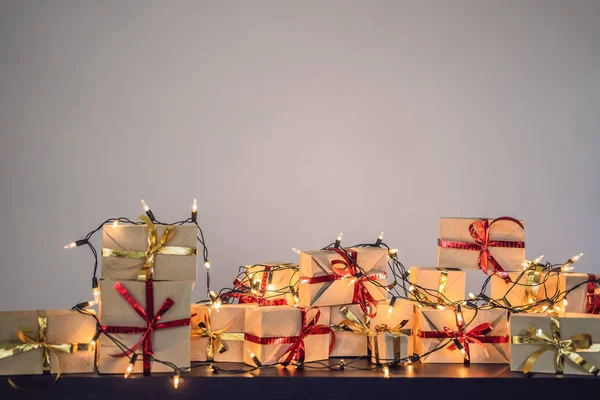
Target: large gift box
{"type": "Point", "coordinates": [583, 291]}
{"type": "Point", "coordinates": [438, 285]}
{"type": "Point", "coordinates": [525, 288]}
{"type": "Point", "coordinates": [352, 329]}
{"type": "Point", "coordinates": [268, 284]}
{"type": "Point", "coordinates": [55, 341]}
{"type": "Point", "coordinates": [480, 337]}
{"type": "Point", "coordinates": [557, 343]}
{"type": "Point", "coordinates": [218, 335]}
{"type": "Point", "coordinates": [147, 317]}
{"type": "Point", "coordinates": [161, 252]}
{"type": "Point", "coordinates": [331, 277]}
{"type": "Point", "coordinates": [391, 336]}
{"type": "Point", "coordinates": [287, 334]}
{"type": "Point", "coordinates": [490, 245]}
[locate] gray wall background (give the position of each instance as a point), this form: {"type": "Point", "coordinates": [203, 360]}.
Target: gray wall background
{"type": "Point", "coordinates": [292, 121]}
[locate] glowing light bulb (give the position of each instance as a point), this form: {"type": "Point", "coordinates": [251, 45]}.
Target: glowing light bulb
{"type": "Point", "coordinates": [386, 371]}
{"type": "Point", "coordinates": [539, 332]}
{"type": "Point", "coordinates": [411, 288]}
{"type": "Point", "coordinates": [565, 302]}
{"type": "Point", "coordinates": [296, 299]}
{"type": "Point", "coordinates": [544, 308]}
{"type": "Point", "coordinates": [539, 259]}
{"type": "Point", "coordinates": [270, 288]}
{"type": "Point", "coordinates": [339, 238]}
{"type": "Point", "coordinates": [195, 206]}
{"type": "Point", "coordinates": [129, 369]}
{"type": "Point", "coordinates": [96, 293]}
{"type": "Point", "coordinates": [206, 264]}
{"type": "Point", "coordinates": [531, 301]}
{"type": "Point", "coordinates": [391, 252]}
{"type": "Point", "coordinates": [295, 250]}
{"type": "Point", "coordinates": [380, 236]}
{"type": "Point", "coordinates": [115, 223]}
{"type": "Point", "coordinates": [577, 257]}
{"type": "Point", "coordinates": [176, 380]}
{"type": "Point", "coordinates": [556, 308]}
{"type": "Point", "coordinates": [352, 282]}
{"type": "Point", "coordinates": [472, 296]}
{"type": "Point", "coordinates": [459, 318]}
{"type": "Point", "coordinates": [441, 307]}
{"type": "Point", "coordinates": [70, 245]}
{"type": "Point", "coordinates": [145, 206]}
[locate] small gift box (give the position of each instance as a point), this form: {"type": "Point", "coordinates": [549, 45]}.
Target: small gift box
{"type": "Point", "coordinates": [287, 334]}
{"type": "Point", "coordinates": [218, 335]}
{"type": "Point", "coordinates": [152, 318]}
{"type": "Point", "coordinates": [54, 341]}
{"type": "Point", "coordinates": [269, 284]}
{"type": "Point", "coordinates": [557, 343]}
{"type": "Point", "coordinates": [351, 327]}
{"type": "Point", "coordinates": [392, 332]}
{"type": "Point", "coordinates": [438, 285]}
{"type": "Point", "coordinates": [525, 288]}
{"type": "Point", "coordinates": [465, 337]}
{"type": "Point", "coordinates": [583, 291]}
{"type": "Point", "coordinates": [490, 245]}
{"type": "Point", "coordinates": [331, 277]}
{"type": "Point", "coordinates": [149, 251]}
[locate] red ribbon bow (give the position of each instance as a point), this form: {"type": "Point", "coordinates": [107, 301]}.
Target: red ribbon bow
{"type": "Point", "coordinates": [297, 350]}
{"type": "Point", "coordinates": [592, 299]}
{"type": "Point", "coordinates": [476, 335]}
{"type": "Point", "coordinates": [250, 298]}
{"type": "Point", "coordinates": [480, 232]}
{"type": "Point", "coordinates": [151, 320]}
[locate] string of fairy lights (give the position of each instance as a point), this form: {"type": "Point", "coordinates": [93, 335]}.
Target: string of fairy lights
{"type": "Point", "coordinates": [400, 288]}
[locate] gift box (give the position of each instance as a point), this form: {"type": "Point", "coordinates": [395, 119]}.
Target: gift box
{"type": "Point", "coordinates": [467, 337]}
{"type": "Point", "coordinates": [147, 317]}
{"type": "Point", "coordinates": [287, 334]}
{"type": "Point", "coordinates": [330, 277]}
{"type": "Point", "coordinates": [584, 293]}
{"type": "Point", "coordinates": [490, 245]}
{"type": "Point", "coordinates": [352, 329]}
{"type": "Point", "coordinates": [392, 331]}
{"type": "Point", "coordinates": [524, 288]}
{"type": "Point", "coordinates": [537, 338]}
{"type": "Point", "coordinates": [142, 252]}
{"type": "Point", "coordinates": [269, 284]}
{"type": "Point", "coordinates": [442, 285]}
{"type": "Point", "coordinates": [55, 341]}
{"type": "Point", "coordinates": [218, 335]}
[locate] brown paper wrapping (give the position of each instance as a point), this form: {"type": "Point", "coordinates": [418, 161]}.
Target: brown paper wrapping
{"type": "Point", "coordinates": [64, 326]}
{"type": "Point", "coordinates": [516, 295]}
{"type": "Point", "coordinates": [457, 229]}
{"type": "Point", "coordinates": [283, 321]}
{"type": "Point", "coordinates": [384, 343]}
{"type": "Point", "coordinates": [135, 238]}
{"type": "Point", "coordinates": [316, 263]}
{"type": "Point", "coordinates": [436, 320]}
{"type": "Point", "coordinates": [402, 310]}
{"type": "Point", "coordinates": [429, 278]}
{"type": "Point", "coordinates": [280, 280]}
{"type": "Point", "coordinates": [169, 344]}
{"type": "Point", "coordinates": [560, 283]}
{"type": "Point", "coordinates": [348, 344]}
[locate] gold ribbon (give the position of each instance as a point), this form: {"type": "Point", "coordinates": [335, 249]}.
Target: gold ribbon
{"type": "Point", "coordinates": [352, 323]}
{"type": "Point", "coordinates": [29, 343]}
{"type": "Point", "coordinates": [149, 256]}
{"type": "Point", "coordinates": [216, 338]}
{"type": "Point", "coordinates": [581, 343]}
{"type": "Point", "coordinates": [533, 283]}
{"type": "Point", "coordinates": [396, 332]}
{"type": "Point", "coordinates": [443, 283]}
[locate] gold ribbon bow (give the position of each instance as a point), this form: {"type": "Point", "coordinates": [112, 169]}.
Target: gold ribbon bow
{"type": "Point", "coordinates": [216, 338]}
{"type": "Point", "coordinates": [29, 343]}
{"type": "Point", "coordinates": [154, 247]}
{"type": "Point", "coordinates": [396, 332]}
{"type": "Point", "coordinates": [352, 323]}
{"type": "Point", "coordinates": [581, 343]}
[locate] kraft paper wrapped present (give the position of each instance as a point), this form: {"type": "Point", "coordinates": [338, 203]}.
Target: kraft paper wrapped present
{"type": "Point", "coordinates": [392, 331]}
{"type": "Point", "coordinates": [218, 335]}
{"type": "Point", "coordinates": [388, 348]}
{"type": "Point", "coordinates": [443, 285]}
{"type": "Point", "coordinates": [526, 287]}
{"type": "Point", "coordinates": [490, 245]}
{"type": "Point", "coordinates": [329, 277]}
{"type": "Point", "coordinates": [141, 252]}
{"type": "Point", "coordinates": [287, 334]}
{"type": "Point", "coordinates": [65, 345]}
{"type": "Point", "coordinates": [268, 284]}
{"type": "Point", "coordinates": [584, 293]}
{"type": "Point", "coordinates": [157, 311]}
{"type": "Point", "coordinates": [488, 327]}
{"type": "Point", "coordinates": [352, 329]}
{"type": "Point", "coordinates": [535, 339]}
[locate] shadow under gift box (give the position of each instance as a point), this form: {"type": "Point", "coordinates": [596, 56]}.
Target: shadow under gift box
{"type": "Point", "coordinates": [449, 282]}
{"type": "Point", "coordinates": [170, 344]}
{"type": "Point", "coordinates": [432, 320]}
{"type": "Point", "coordinates": [63, 327]}
{"type": "Point", "coordinates": [457, 230]}
{"type": "Point", "coordinates": [134, 238]}
{"type": "Point", "coordinates": [571, 324]}
{"type": "Point", "coordinates": [318, 263]}
{"type": "Point", "coordinates": [283, 322]}
{"type": "Point", "coordinates": [226, 325]}
{"type": "Point", "coordinates": [272, 278]}
{"type": "Point", "coordinates": [402, 311]}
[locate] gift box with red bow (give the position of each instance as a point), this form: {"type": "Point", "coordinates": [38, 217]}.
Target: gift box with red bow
{"type": "Point", "coordinates": [337, 276]}
{"type": "Point", "coordinates": [462, 337]}
{"type": "Point", "coordinates": [268, 284]}
{"type": "Point", "coordinates": [491, 245]}
{"type": "Point", "coordinates": [287, 335]}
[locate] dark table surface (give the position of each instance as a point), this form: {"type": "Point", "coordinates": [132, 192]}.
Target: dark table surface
{"type": "Point", "coordinates": [439, 381]}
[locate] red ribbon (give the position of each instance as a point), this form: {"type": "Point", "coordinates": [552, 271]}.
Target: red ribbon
{"type": "Point", "coordinates": [476, 335]}
{"type": "Point", "coordinates": [480, 232]}
{"type": "Point", "coordinates": [592, 299]}
{"type": "Point", "coordinates": [297, 350]}
{"type": "Point", "coordinates": [249, 298]}
{"type": "Point", "coordinates": [151, 319]}
{"type": "Point", "coordinates": [347, 268]}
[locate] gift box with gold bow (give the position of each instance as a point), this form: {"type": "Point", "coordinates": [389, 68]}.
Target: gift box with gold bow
{"type": "Point", "coordinates": [150, 318]}
{"type": "Point", "coordinates": [555, 343]}
{"type": "Point", "coordinates": [391, 337]}
{"type": "Point", "coordinates": [352, 329]}
{"type": "Point", "coordinates": [268, 284]}
{"type": "Point", "coordinates": [531, 286]}
{"type": "Point", "coordinates": [287, 335]}
{"type": "Point", "coordinates": [491, 245]}
{"type": "Point", "coordinates": [149, 251]}
{"type": "Point", "coordinates": [343, 276]}
{"type": "Point", "coordinates": [584, 291]}
{"type": "Point", "coordinates": [438, 285]}
{"type": "Point", "coordinates": [46, 341]}
{"type": "Point", "coordinates": [218, 335]}
{"type": "Point", "coordinates": [462, 337]}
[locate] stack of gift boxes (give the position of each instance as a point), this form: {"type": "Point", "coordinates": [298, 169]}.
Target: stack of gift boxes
{"type": "Point", "coordinates": [337, 305]}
